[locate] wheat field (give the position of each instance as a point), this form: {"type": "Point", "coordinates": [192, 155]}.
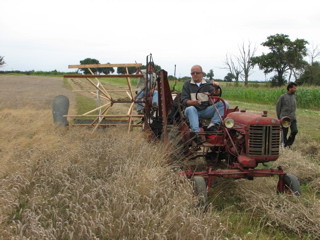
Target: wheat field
{"type": "Point", "coordinates": [58, 183]}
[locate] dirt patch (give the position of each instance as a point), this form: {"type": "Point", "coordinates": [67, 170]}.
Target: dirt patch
{"type": "Point", "coordinates": [31, 91]}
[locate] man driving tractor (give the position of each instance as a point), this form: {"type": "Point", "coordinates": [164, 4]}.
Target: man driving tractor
{"type": "Point", "coordinates": [197, 102]}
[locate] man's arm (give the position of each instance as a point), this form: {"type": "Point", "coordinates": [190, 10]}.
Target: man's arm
{"type": "Point", "coordinates": [186, 97]}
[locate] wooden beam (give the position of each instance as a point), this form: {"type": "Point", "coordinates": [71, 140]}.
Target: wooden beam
{"type": "Point", "coordinates": [103, 76]}
{"type": "Point", "coordinates": [105, 65]}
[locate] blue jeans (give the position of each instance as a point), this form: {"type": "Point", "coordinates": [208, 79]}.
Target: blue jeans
{"type": "Point", "coordinates": [210, 112]}
{"type": "Point", "coordinates": [140, 97]}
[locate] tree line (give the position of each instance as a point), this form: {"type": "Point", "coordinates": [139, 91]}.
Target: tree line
{"type": "Point", "coordinates": [108, 70]}
{"type": "Point", "coordinates": [285, 58]}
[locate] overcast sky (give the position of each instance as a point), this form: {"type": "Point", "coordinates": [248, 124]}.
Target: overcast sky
{"type": "Point", "coordinates": [48, 35]}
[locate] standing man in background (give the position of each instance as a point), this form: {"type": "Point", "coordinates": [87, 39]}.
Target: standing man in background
{"type": "Point", "coordinates": [286, 106]}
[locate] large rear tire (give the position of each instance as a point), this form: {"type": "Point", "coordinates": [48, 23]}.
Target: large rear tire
{"type": "Point", "coordinates": [60, 107]}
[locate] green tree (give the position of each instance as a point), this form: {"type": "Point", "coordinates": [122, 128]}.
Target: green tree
{"type": "Point", "coordinates": [210, 74]}
{"type": "Point", "coordinates": [106, 70]}
{"type": "Point", "coordinates": [157, 68]}
{"type": "Point", "coordinates": [122, 70]}
{"type": "Point", "coordinates": [171, 77]}
{"type": "Point", "coordinates": [311, 75]}
{"type": "Point", "coordinates": [229, 77]}
{"type": "Point", "coordinates": [285, 55]}
{"type": "Point", "coordinates": [89, 61]}
{"type": "Point", "coordinates": [2, 62]}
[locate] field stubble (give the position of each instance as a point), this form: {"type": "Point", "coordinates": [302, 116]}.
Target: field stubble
{"type": "Point", "coordinates": [71, 184]}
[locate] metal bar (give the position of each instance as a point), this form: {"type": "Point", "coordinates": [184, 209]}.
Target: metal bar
{"type": "Point", "coordinates": [229, 173]}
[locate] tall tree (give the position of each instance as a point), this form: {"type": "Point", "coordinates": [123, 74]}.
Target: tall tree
{"type": "Point", "coordinates": [244, 60]}
{"type": "Point", "coordinates": [106, 70]}
{"type": "Point", "coordinates": [310, 75]}
{"type": "Point", "coordinates": [229, 77]}
{"type": "Point", "coordinates": [314, 53]}
{"type": "Point", "coordinates": [2, 62]}
{"type": "Point", "coordinates": [122, 70]}
{"type": "Point", "coordinates": [284, 55]}
{"type": "Point", "coordinates": [89, 61]}
{"type": "Point", "coordinates": [210, 74]}
{"type": "Point", "coordinates": [234, 69]}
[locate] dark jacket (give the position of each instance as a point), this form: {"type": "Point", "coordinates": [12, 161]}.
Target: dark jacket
{"type": "Point", "coordinates": [190, 89]}
{"type": "Point", "coordinates": [286, 106]}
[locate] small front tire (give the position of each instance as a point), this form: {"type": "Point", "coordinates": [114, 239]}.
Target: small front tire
{"type": "Point", "coordinates": [200, 189]}
{"type": "Point", "coordinates": [291, 185]}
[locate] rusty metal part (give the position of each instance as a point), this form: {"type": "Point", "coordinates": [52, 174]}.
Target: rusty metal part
{"type": "Point", "coordinates": [166, 103]}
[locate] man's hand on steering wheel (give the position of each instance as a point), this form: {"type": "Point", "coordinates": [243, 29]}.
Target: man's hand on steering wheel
{"type": "Point", "coordinates": [213, 96]}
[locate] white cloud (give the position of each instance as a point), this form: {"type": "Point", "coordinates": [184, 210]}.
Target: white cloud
{"type": "Point", "coordinates": [48, 35]}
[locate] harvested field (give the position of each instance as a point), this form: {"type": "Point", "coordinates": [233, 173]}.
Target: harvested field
{"type": "Point", "coordinates": [71, 184]}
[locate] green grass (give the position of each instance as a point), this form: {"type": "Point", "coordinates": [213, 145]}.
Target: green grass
{"type": "Point", "coordinates": [307, 97]}
{"type": "Point", "coordinates": [253, 227]}
{"type": "Point", "coordinates": [119, 81]}
{"type": "Point", "coordinates": [84, 104]}
{"type": "Point", "coordinates": [66, 84]}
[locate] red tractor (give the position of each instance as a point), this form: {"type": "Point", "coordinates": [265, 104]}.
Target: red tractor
{"type": "Point", "coordinates": [244, 141]}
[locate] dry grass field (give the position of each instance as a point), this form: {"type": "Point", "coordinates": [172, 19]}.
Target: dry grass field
{"type": "Point", "coordinates": [71, 184]}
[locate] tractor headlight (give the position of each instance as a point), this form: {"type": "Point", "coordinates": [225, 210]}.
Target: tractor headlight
{"type": "Point", "coordinates": [285, 122]}
{"type": "Point", "coordinates": [229, 122]}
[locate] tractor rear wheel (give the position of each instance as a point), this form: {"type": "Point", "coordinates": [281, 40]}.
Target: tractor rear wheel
{"type": "Point", "coordinates": [60, 107]}
{"type": "Point", "coordinates": [291, 184]}
{"type": "Point", "coordinates": [200, 189]}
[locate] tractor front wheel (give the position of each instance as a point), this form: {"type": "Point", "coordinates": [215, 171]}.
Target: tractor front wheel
{"type": "Point", "coordinates": [290, 183]}
{"type": "Point", "coordinates": [200, 189]}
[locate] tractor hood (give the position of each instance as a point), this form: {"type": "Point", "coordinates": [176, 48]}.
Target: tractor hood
{"type": "Point", "coordinates": [243, 118]}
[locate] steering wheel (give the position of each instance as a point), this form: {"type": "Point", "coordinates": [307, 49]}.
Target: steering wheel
{"type": "Point", "coordinates": [214, 97]}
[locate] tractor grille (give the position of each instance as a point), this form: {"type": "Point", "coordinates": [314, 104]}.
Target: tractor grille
{"type": "Point", "coordinates": [264, 140]}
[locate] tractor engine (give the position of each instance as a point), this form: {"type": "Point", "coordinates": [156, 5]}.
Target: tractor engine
{"type": "Point", "coordinates": [252, 138]}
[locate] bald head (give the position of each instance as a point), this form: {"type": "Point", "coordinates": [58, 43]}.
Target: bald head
{"type": "Point", "coordinates": [197, 67]}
